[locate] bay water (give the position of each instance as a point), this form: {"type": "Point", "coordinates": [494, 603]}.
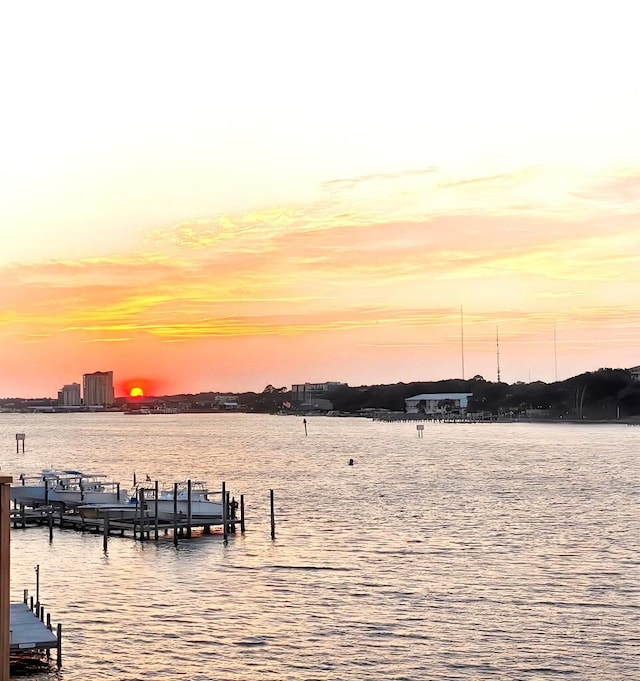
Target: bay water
{"type": "Point", "coordinates": [479, 551]}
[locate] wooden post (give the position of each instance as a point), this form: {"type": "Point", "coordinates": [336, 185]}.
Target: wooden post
{"type": "Point", "coordinates": [50, 519]}
{"type": "Point", "coordinates": [141, 502]}
{"type": "Point", "coordinates": [188, 509]}
{"type": "Point", "coordinates": [105, 532]}
{"type": "Point", "coordinates": [155, 502]}
{"type": "Point", "coordinates": [46, 491]}
{"type": "Point", "coordinates": [304, 421]}
{"type": "Point", "coordinates": [273, 515]}
{"type": "Point", "coordinates": [175, 514]}
{"type": "Point", "coordinates": [118, 491]}
{"type": "Point", "coordinates": [224, 511]}
{"type": "Point", "coordinates": [59, 647]}
{"type": "Point", "coordinates": [5, 564]}
{"type": "Point", "coordinates": [135, 515]}
{"type": "Point", "coordinates": [242, 513]}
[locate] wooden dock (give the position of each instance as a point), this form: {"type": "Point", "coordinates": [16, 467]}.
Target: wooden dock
{"type": "Point", "coordinates": [128, 521]}
{"type": "Point", "coordinates": [30, 632]}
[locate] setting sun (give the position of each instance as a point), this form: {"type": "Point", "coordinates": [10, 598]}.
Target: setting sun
{"type": "Point", "coordinates": [136, 392]}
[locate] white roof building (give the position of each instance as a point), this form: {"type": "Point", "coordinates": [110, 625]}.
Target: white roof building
{"type": "Point", "coordinates": [437, 403]}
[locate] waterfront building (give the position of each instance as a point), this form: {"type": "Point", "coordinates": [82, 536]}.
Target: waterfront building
{"type": "Point", "coordinates": [437, 404]}
{"type": "Point", "coordinates": [228, 402]}
{"type": "Point", "coordinates": [69, 395]}
{"type": "Point", "coordinates": [307, 392]}
{"type": "Point", "coordinates": [635, 373]}
{"type": "Point", "coordinates": [97, 389]}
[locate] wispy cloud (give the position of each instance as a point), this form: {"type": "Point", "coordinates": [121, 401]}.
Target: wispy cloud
{"type": "Point", "coordinates": [346, 264]}
{"type": "Point", "coordinates": [619, 187]}
{"type": "Point", "coordinates": [352, 182]}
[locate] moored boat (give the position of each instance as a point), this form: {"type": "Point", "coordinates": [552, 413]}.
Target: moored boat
{"type": "Point", "coordinates": [32, 489]}
{"type": "Point", "coordinates": [204, 504]}
{"type": "Point", "coordinates": [67, 487]}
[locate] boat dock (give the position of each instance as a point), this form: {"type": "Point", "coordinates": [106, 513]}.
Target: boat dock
{"type": "Point", "coordinates": [30, 632]}
{"type": "Point", "coordinates": [141, 520]}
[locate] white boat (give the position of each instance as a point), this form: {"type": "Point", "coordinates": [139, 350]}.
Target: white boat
{"type": "Point", "coordinates": [70, 488]}
{"type": "Point", "coordinates": [74, 488]}
{"type": "Point", "coordinates": [203, 503]}
{"type": "Point", "coordinates": [32, 489]}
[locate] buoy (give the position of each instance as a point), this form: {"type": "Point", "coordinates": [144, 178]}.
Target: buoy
{"type": "Point", "coordinates": [351, 462]}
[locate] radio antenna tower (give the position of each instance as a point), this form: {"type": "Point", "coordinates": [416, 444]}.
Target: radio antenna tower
{"type": "Point", "coordinates": [555, 352]}
{"type": "Point", "coordinates": [498, 353]}
{"type": "Point", "coordinates": [462, 341]}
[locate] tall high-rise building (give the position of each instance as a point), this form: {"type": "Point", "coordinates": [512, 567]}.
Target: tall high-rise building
{"type": "Point", "coordinates": [97, 389]}
{"type": "Point", "coordinates": [69, 395]}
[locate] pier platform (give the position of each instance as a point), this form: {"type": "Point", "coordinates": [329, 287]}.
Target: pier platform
{"type": "Point", "coordinates": [27, 632]}
{"type": "Point", "coordinates": [124, 521]}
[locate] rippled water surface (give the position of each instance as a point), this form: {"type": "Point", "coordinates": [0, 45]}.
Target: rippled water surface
{"type": "Point", "coordinates": [484, 551]}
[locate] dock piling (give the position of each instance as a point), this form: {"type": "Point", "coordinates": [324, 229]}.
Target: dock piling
{"type": "Point", "coordinates": [225, 514]}
{"type": "Point", "coordinates": [141, 504]}
{"type": "Point", "coordinates": [273, 515]}
{"type": "Point", "coordinates": [59, 646]}
{"type": "Point", "coordinates": [175, 514]}
{"type": "Point", "coordinates": [155, 502]}
{"type": "Point", "coordinates": [242, 513]}
{"type": "Point", "coordinates": [188, 509]}
{"type": "Point", "coordinates": [105, 532]}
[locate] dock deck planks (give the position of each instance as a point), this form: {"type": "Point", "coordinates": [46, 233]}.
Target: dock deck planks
{"type": "Point", "coordinates": [27, 631]}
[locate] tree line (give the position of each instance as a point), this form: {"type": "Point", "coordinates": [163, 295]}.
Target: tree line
{"type": "Point", "coordinates": [601, 394]}
{"type": "Point", "coordinates": [596, 395]}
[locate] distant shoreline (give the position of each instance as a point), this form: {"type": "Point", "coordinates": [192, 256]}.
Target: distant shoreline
{"type": "Point", "coordinates": [395, 417]}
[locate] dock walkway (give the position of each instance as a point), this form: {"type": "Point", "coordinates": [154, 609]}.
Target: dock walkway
{"type": "Point", "coordinates": [111, 520]}
{"type": "Point", "coordinates": [28, 632]}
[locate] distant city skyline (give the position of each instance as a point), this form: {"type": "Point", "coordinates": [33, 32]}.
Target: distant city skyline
{"type": "Point", "coordinates": [70, 394]}
{"type": "Point", "coordinates": [287, 200]}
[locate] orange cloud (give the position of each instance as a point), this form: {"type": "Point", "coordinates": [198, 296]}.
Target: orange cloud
{"type": "Point", "coordinates": [393, 267]}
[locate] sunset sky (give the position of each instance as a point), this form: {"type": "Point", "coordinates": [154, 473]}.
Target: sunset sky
{"type": "Point", "coordinates": [217, 196]}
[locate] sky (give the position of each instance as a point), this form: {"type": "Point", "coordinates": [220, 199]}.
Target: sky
{"type": "Point", "coordinates": [207, 196]}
